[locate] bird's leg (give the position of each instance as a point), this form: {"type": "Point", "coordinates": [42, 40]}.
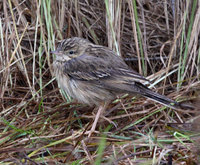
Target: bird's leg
{"type": "Point", "coordinates": [99, 113]}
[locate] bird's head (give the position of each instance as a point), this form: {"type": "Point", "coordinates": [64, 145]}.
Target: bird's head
{"type": "Point", "coordinates": [71, 48]}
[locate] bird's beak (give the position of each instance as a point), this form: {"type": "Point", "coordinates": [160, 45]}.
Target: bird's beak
{"type": "Point", "coordinates": [56, 52]}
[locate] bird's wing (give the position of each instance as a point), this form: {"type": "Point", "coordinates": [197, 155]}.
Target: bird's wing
{"type": "Point", "coordinates": [114, 75]}
{"type": "Point", "coordinates": [99, 68]}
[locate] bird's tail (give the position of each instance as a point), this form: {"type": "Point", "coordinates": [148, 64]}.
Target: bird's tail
{"type": "Point", "coordinates": [146, 92]}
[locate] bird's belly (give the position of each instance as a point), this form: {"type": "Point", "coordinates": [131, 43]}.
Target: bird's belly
{"type": "Point", "coordinates": [84, 92]}
{"type": "Point", "coordinates": [89, 93]}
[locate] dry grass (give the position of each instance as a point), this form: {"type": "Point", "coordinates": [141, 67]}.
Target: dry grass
{"type": "Point", "coordinates": [160, 39]}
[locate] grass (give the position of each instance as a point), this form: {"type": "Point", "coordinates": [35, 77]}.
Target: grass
{"type": "Point", "coordinates": [40, 124]}
{"type": "Point", "coordinates": [183, 56]}
{"type": "Point", "coordinates": [144, 66]}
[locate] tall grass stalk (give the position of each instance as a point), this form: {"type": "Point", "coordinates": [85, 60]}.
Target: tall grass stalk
{"type": "Point", "coordinates": [46, 5]}
{"type": "Point", "coordinates": [144, 65]}
{"type": "Point", "coordinates": [183, 58]}
{"type": "Point", "coordinates": [110, 16]}
{"type": "Point", "coordinates": [22, 66]}
{"type": "Point", "coordinates": [35, 46]}
{"type": "Point", "coordinates": [134, 28]}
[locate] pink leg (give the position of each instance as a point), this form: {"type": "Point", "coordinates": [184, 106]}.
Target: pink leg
{"type": "Point", "coordinates": [99, 113]}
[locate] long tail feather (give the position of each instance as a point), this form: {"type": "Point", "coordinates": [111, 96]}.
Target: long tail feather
{"type": "Point", "coordinates": [146, 92]}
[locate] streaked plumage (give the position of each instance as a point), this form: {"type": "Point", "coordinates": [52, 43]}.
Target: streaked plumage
{"type": "Point", "coordinates": [94, 74]}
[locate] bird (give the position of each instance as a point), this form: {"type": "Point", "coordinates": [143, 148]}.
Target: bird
{"type": "Point", "coordinates": [95, 75]}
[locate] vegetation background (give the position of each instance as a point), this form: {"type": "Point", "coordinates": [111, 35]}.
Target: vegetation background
{"type": "Point", "coordinates": [40, 125]}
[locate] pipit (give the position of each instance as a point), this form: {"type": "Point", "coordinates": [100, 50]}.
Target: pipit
{"type": "Point", "coordinates": [95, 75]}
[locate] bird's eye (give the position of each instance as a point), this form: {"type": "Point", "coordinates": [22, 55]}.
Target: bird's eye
{"type": "Point", "coordinates": [71, 52]}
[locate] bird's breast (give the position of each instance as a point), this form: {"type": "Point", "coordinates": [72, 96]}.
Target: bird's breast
{"type": "Point", "coordinates": [62, 78]}
{"type": "Point", "coordinates": [83, 91]}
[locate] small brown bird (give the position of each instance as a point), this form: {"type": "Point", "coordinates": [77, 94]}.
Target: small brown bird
{"type": "Point", "coordinates": [95, 75]}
